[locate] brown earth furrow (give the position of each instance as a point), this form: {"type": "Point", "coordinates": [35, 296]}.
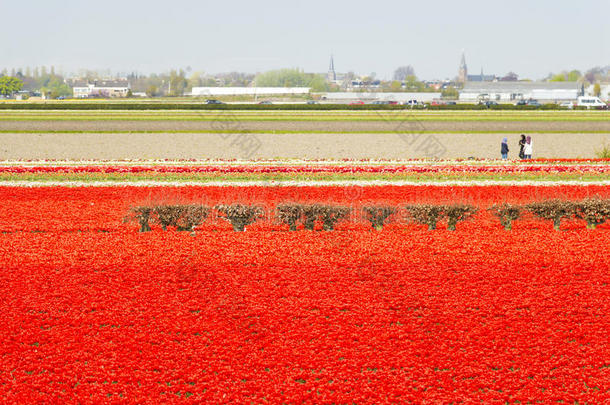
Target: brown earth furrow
{"type": "Point", "coordinates": [104, 146]}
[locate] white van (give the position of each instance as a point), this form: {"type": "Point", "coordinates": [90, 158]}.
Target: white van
{"type": "Point", "coordinates": [590, 102]}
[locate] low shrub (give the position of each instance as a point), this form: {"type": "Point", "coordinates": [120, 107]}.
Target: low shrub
{"type": "Point", "coordinates": [329, 215]}
{"type": "Point", "coordinates": [594, 211]}
{"type": "Point", "coordinates": [311, 214]}
{"type": "Point", "coordinates": [240, 215]}
{"type": "Point", "coordinates": [141, 215]}
{"type": "Point", "coordinates": [426, 214]}
{"type": "Point", "coordinates": [378, 214]}
{"type": "Point", "coordinates": [552, 210]}
{"type": "Point", "coordinates": [289, 214]}
{"type": "Point", "coordinates": [603, 153]}
{"type": "Point", "coordinates": [458, 212]}
{"type": "Point", "coordinates": [192, 217]}
{"type": "Point", "coordinates": [168, 215]}
{"type": "Point", "coordinates": [507, 213]}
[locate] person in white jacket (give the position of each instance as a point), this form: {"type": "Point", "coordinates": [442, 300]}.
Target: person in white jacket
{"type": "Point", "coordinates": [527, 148]}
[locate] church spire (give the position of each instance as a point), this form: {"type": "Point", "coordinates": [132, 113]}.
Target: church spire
{"type": "Point", "coordinates": [463, 71]}
{"type": "Point", "coordinates": [332, 75]}
{"type": "Point", "coordinates": [463, 61]}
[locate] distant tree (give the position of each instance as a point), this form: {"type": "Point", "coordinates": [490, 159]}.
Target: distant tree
{"type": "Point", "coordinates": [402, 72]}
{"type": "Point", "coordinates": [210, 82]}
{"type": "Point", "coordinates": [559, 77]}
{"type": "Point", "coordinates": [395, 85]}
{"type": "Point", "coordinates": [177, 82]}
{"type": "Point", "coordinates": [282, 78]}
{"type": "Point", "coordinates": [450, 93]}
{"type": "Point", "coordinates": [9, 85]}
{"type": "Point", "coordinates": [54, 86]}
{"type": "Point", "coordinates": [152, 91]}
{"type": "Point", "coordinates": [413, 84]}
{"type": "Point", "coordinates": [597, 90]}
{"type": "Point", "coordinates": [574, 76]}
{"type": "Point", "coordinates": [196, 80]}
{"type": "Point", "coordinates": [510, 77]}
{"type": "Point", "coordinates": [318, 84]}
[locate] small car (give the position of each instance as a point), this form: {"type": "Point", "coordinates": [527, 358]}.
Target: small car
{"type": "Point", "coordinates": [265, 102]}
{"type": "Point", "coordinates": [213, 101]}
{"type": "Point", "coordinates": [359, 102]}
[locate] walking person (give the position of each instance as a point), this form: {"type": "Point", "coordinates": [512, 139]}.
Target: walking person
{"type": "Point", "coordinates": [527, 148]}
{"type": "Point", "coordinates": [504, 149]}
{"type": "Point", "coordinates": [521, 146]}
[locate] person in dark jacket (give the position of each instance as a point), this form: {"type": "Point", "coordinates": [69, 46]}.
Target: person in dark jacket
{"type": "Point", "coordinates": [521, 146]}
{"type": "Point", "coordinates": [504, 149]}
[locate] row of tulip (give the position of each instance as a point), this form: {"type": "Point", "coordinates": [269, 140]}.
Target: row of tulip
{"type": "Point", "coordinates": [306, 169]}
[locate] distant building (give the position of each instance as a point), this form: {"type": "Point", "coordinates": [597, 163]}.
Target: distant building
{"type": "Point", "coordinates": [464, 77]}
{"type": "Point", "coordinates": [100, 88]}
{"type": "Point", "coordinates": [514, 91]}
{"type": "Point", "coordinates": [347, 97]}
{"type": "Point", "coordinates": [331, 76]}
{"type": "Point", "coordinates": [481, 78]}
{"type": "Point", "coordinates": [463, 71]}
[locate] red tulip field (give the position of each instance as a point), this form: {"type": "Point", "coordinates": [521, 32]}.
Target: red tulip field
{"type": "Point", "coordinates": [96, 311]}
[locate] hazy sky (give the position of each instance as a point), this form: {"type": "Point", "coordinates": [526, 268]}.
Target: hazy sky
{"type": "Point", "coordinates": [529, 37]}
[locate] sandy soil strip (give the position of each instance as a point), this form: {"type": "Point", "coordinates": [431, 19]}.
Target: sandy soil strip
{"type": "Point", "coordinates": [289, 183]}
{"type": "Point", "coordinates": [305, 126]}
{"type": "Point", "coordinates": [178, 146]}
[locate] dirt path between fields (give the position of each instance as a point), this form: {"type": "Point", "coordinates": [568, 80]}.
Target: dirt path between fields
{"type": "Point", "coordinates": [305, 126]}
{"type": "Point", "coordinates": [32, 146]}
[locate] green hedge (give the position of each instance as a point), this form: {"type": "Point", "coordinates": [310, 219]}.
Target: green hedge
{"type": "Point", "coordinates": [302, 107]}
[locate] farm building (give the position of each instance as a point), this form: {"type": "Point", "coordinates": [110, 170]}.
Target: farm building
{"type": "Point", "coordinates": [514, 91]}
{"type": "Point", "coordinates": [101, 88]}
{"type": "Point", "coordinates": [346, 97]}
{"type": "Point", "coordinates": [248, 91]}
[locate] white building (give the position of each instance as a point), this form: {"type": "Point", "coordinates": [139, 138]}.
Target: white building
{"type": "Point", "coordinates": [101, 88]}
{"type": "Point", "coordinates": [347, 97]}
{"type": "Point", "coordinates": [514, 91]}
{"type": "Point", "coordinates": [248, 91]}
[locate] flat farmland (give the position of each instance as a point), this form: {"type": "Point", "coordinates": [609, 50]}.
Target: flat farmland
{"type": "Point", "coordinates": [210, 134]}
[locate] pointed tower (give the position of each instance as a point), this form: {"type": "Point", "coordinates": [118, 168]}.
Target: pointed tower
{"type": "Point", "coordinates": [332, 75]}
{"type": "Point", "coordinates": [463, 72]}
